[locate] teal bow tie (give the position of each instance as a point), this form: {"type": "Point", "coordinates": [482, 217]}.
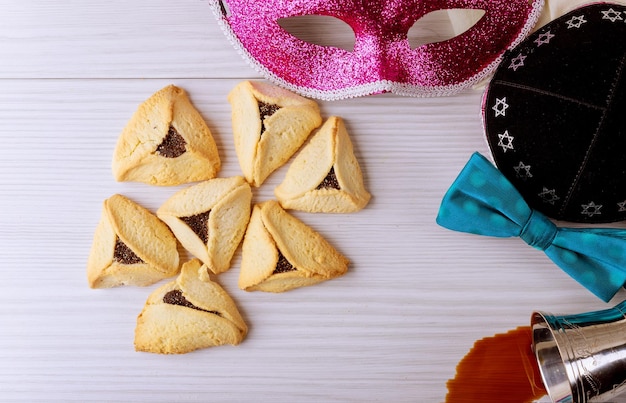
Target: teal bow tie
{"type": "Point", "coordinates": [482, 201]}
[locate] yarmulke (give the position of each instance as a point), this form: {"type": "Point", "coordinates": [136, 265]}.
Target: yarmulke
{"type": "Point", "coordinates": [555, 116]}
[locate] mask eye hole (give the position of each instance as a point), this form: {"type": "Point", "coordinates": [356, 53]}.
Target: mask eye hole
{"type": "Point", "coordinates": [320, 30]}
{"type": "Point", "coordinates": [442, 25]}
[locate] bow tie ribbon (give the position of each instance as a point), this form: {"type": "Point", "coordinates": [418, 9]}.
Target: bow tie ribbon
{"type": "Point", "coordinates": [482, 201]}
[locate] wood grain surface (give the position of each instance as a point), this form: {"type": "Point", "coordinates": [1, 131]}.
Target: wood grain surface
{"type": "Point", "coordinates": [416, 296]}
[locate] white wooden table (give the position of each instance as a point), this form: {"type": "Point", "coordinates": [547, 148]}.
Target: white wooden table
{"type": "Point", "coordinates": [392, 330]}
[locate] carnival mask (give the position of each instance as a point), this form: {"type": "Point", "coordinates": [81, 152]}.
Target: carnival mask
{"type": "Point", "coordinates": [383, 60]}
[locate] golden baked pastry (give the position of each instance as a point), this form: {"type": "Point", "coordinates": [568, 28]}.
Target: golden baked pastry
{"type": "Point", "coordinates": [188, 314]}
{"type": "Point", "coordinates": [269, 126]}
{"type": "Point", "coordinates": [130, 247]}
{"type": "Point", "coordinates": [166, 142]}
{"type": "Point", "coordinates": [281, 253]}
{"type": "Point", "coordinates": [209, 219]}
{"type": "Point", "coordinates": [325, 176]}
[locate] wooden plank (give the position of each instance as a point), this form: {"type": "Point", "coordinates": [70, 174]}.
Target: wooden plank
{"type": "Point", "coordinates": [415, 299]}
{"type": "Point", "coordinates": [392, 330]}
{"type": "Point", "coordinates": [114, 39]}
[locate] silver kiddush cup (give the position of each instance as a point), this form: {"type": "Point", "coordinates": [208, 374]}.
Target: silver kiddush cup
{"type": "Point", "coordinates": [581, 357]}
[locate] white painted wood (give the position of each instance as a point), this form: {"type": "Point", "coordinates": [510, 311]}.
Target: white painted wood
{"type": "Point", "coordinates": [117, 38]}
{"type": "Point", "coordinates": [392, 330]}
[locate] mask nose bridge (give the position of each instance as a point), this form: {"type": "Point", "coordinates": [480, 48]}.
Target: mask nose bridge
{"type": "Point", "coordinates": [382, 41]}
{"type": "Point", "coordinates": [376, 36]}
{"type": "Point", "coordinates": [372, 47]}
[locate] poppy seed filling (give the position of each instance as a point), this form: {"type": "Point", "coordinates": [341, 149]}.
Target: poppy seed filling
{"type": "Point", "coordinates": [330, 181]}
{"type": "Point", "coordinates": [124, 255]}
{"type": "Point", "coordinates": [265, 111]}
{"type": "Point", "coordinates": [173, 145]}
{"type": "Point", "coordinates": [283, 265]}
{"type": "Point", "coordinates": [176, 297]}
{"type": "Point", "coordinates": [199, 224]}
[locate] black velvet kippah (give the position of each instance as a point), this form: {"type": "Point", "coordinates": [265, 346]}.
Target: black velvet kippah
{"type": "Point", "coordinates": [555, 116]}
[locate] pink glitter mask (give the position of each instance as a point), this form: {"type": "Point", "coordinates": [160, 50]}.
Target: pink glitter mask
{"type": "Point", "coordinates": [382, 59]}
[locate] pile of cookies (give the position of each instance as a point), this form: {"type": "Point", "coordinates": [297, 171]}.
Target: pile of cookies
{"type": "Point", "coordinates": [168, 143]}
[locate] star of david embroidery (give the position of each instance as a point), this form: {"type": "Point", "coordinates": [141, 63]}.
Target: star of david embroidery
{"type": "Point", "coordinates": [500, 107]}
{"type": "Point", "coordinates": [523, 171]}
{"type": "Point", "coordinates": [576, 22]}
{"type": "Point", "coordinates": [611, 15]}
{"type": "Point", "coordinates": [549, 196]}
{"type": "Point", "coordinates": [622, 206]}
{"type": "Point", "coordinates": [591, 209]}
{"type": "Point", "coordinates": [544, 38]}
{"type": "Point", "coordinates": [506, 141]}
{"type": "Point", "coordinates": [517, 62]}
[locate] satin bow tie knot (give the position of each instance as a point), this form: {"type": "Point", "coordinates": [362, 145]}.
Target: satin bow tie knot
{"type": "Point", "coordinates": [539, 232]}
{"type": "Point", "coordinates": [482, 201]}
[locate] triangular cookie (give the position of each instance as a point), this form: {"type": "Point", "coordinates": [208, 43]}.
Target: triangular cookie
{"type": "Point", "coordinates": [188, 314]}
{"type": "Point", "coordinates": [166, 142]}
{"type": "Point", "coordinates": [281, 253]}
{"type": "Point", "coordinates": [130, 247]}
{"type": "Point", "coordinates": [269, 126]}
{"type": "Point", "coordinates": [325, 176]}
{"type": "Point", "coordinates": [209, 219]}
